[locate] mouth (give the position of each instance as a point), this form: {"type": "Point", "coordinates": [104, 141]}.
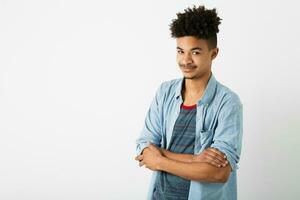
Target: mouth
{"type": "Point", "coordinates": [188, 69]}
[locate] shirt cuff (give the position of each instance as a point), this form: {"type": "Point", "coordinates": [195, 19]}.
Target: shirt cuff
{"type": "Point", "coordinates": [140, 148]}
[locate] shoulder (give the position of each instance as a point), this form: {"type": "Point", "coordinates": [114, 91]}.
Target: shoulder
{"type": "Point", "coordinates": [225, 95]}
{"type": "Point", "coordinates": [171, 83]}
{"type": "Point", "coordinates": [169, 87]}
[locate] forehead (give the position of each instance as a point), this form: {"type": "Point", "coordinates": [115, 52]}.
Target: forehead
{"type": "Point", "coordinates": [189, 42]}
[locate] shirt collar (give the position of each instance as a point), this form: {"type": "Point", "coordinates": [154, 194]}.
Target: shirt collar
{"type": "Point", "coordinates": [208, 92]}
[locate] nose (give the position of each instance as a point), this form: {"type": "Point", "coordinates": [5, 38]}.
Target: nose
{"type": "Point", "coordinates": [187, 60]}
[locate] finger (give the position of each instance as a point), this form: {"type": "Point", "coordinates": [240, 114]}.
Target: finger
{"type": "Point", "coordinates": [217, 151]}
{"type": "Point", "coordinates": [140, 157]}
{"type": "Point", "coordinates": [211, 158]}
{"type": "Point", "coordinates": [141, 163]}
{"type": "Point", "coordinates": [213, 155]}
{"type": "Point", "coordinates": [215, 164]}
{"type": "Point", "coordinates": [225, 164]}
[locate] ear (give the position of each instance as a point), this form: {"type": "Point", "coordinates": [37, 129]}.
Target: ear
{"type": "Point", "coordinates": [214, 53]}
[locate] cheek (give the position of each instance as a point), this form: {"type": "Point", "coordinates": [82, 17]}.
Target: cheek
{"type": "Point", "coordinates": [197, 62]}
{"type": "Point", "coordinates": [201, 60]}
{"type": "Point", "coordinates": [178, 59]}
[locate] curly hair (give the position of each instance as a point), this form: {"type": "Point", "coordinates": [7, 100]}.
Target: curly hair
{"type": "Point", "coordinates": [198, 22]}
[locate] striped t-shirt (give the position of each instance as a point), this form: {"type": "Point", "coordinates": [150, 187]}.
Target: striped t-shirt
{"type": "Point", "coordinates": [169, 186]}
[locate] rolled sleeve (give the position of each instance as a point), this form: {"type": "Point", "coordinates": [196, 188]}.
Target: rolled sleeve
{"type": "Point", "coordinates": [152, 126]}
{"type": "Point", "coordinates": [228, 133]}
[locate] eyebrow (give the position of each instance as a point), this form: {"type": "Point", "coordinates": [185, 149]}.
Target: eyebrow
{"type": "Point", "coordinates": [195, 48]}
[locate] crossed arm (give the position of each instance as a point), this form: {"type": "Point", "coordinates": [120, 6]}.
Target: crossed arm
{"type": "Point", "coordinates": [206, 166]}
{"type": "Point", "coordinates": [209, 166]}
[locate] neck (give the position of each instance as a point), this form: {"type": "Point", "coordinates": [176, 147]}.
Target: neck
{"type": "Point", "coordinates": [196, 86]}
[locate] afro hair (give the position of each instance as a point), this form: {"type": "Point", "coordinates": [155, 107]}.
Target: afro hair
{"type": "Point", "coordinates": [199, 22]}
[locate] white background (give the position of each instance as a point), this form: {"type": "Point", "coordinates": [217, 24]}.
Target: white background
{"type": "Point", "coordinates": [77, 77]}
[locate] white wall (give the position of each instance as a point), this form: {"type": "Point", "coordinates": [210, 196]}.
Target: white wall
{"type": "Point", "coordinates": [77, 77]}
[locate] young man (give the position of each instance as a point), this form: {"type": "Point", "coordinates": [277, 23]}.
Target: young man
{"type": "Point", "coordinates": [193, 129]}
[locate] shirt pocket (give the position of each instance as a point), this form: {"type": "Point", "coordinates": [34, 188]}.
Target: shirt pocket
{"type": "Point", "coordinates": [203, 140]}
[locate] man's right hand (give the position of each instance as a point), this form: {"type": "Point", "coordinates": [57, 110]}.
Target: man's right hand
{"type": "Point", "coordinates": [212, 156]}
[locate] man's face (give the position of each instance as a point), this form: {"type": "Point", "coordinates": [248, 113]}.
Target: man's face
{"type": "Point", "coordinates": [194, 57]}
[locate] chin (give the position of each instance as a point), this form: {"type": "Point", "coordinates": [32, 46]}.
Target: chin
{"type": "Point", "coordinates": [190, 77]}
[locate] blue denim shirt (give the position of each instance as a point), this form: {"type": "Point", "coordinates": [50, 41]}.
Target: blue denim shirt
{"type": "Point", "coordinates": [219, 124]}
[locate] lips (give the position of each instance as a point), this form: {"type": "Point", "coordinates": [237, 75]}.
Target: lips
{"type": "Point", "coordinates": [188, 69]}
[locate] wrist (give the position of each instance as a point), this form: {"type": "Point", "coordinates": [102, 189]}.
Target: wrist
{"type": "Point", "coordinates": [161, 161]}
{"type": "Point", "coordinates": [192, 158]}
{"type": "Point", "coordinates": [163, 152]}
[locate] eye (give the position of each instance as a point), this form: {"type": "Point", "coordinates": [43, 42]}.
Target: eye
{"type": "Point", "coordinates": [179, 52]}
{"type": "Point", "coordinates": [195, 52]}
